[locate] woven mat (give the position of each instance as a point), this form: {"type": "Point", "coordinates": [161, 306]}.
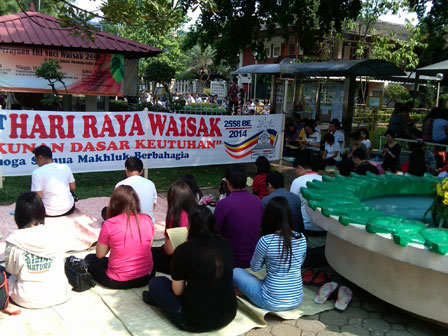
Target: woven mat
{"type": "Point", "coordinates": [81, 229]}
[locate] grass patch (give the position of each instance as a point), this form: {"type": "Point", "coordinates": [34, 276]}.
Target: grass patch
{"type": "Point", "coordinates": [96, 184]}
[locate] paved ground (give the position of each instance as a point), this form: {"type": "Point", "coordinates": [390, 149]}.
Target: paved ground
{"type": "Point", "coordinates": [365, 316]}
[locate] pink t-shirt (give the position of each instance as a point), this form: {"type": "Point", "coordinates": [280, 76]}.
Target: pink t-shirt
{"type": "Point", "coordinates": [183, 222]}
{"type": "Point", "coordinates": [130, 257]}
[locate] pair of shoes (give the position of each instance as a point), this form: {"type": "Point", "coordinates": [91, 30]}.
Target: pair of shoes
{"type": "Point", "coordinates": [312, 277]}
{"type": "Point", "coordinates": [345, 295]}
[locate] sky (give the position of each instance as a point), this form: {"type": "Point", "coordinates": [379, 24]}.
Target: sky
{"type": "Point", "coordinates": [400, 18]}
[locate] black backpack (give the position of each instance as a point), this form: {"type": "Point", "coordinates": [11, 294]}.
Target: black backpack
{"type": "Point", "coordinates": [77, 273]}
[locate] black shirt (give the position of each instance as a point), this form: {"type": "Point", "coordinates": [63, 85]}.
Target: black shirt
{"type": "Point", "coordinates": [208, 304]}
{"type": "Point", "coordinates": [365, 167]}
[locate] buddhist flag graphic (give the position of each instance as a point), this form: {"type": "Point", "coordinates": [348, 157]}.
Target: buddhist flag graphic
{"type": "Point", "coordinates": [245, 148]}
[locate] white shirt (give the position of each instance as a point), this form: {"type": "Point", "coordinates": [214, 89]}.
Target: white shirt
{"type": "Point", "coordinates": [313, 138]}
{"type": "Point", "coordinates": [331, 149]}
{"type": "Point", "coordinates": [146, 191]}
{"type": "Point", "coordinates": [367, 143]}
{"type": "Point", "coordinates": [339, 138]}
{"type": "Point", "coordinates": [300, 182]}
{"type": "Point", "coordinates": [53, 179]}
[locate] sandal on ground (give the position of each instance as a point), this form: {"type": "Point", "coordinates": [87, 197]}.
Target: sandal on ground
{"type": "Point", "coordinates": [345, 295]}
{"type": "Point", "coordinates": [324, 292]}
{"type": "Point", "coordinates": [308, 276]}
{"type": "Point", "coordinates": [320, 278]}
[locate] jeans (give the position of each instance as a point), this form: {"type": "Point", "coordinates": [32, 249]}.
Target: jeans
{"type": "Point", "coordinates": [162, 295]}
{"type": "Point", "coordinates": [98, 268]}
{"type": "Point", "coordinates": [250, 286]}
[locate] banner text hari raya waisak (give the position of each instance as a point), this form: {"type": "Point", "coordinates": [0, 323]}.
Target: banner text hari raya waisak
{"type": "Point", "coordinates": [100, 141]}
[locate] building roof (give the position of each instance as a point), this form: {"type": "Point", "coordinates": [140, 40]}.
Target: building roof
{"type": "Point", "coordinates": [37, 29]}
{"type": "Point", "coordinates": [372, 68]}
{"type": "Point", "coordinates": [434, 69]}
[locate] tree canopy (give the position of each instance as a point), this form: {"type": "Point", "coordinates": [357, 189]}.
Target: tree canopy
{"type": "Point", "coordinates": [237, 24]}
{"type": "Point", "coordinates": [15, 6]}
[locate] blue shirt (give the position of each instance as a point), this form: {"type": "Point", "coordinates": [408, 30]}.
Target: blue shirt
{"type": "Point", "coordinates": [294, 204]}
{"type": "Point", "coordinates": [438, 129]}
{"type": "Point", "coordinates": [282, 288]}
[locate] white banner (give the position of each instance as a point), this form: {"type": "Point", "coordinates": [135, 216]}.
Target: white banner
{"type": "Point", "coordinates": [100, 141]}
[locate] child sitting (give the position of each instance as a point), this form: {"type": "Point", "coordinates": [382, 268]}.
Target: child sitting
{"type": "Point", "coordinates": [332, 150]}
{"type": "Point", "coordinates": [35, 258]}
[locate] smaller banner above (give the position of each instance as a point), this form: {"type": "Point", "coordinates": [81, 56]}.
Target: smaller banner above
{"type": "Point", "coordinates": [86, 73]}
{"type": "Point", "coordinates": [100, 141]}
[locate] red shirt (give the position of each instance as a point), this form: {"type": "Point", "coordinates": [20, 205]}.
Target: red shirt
{"type": "Point", "coordinates": [259, 185]}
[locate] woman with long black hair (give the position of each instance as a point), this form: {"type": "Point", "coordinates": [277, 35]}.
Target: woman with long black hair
{"type": "Point", "coordinates": [283, 251]}
{"type": "Point", "coordinates": [201, 296]}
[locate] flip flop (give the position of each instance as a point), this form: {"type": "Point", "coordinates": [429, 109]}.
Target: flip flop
{"type": "Point", "coordinates": [320, 278]}
{"type": "Point", "coordinates": [308, 276]}
{"type": "Point", "coordinates": [324, 292]}
{"type": "Point", "coordinates": [345, 295]}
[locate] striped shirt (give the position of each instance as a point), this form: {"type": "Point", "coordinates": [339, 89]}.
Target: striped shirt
{"type": "Point", "coordinates": [282, 287]}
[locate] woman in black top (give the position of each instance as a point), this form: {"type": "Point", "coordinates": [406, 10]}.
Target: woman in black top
{"type": "Point", "coordinates": [201, 296]}
{"type": "Point", "coordinates": [391, 153]}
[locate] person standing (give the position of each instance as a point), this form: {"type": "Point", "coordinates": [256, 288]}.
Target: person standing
{"type": "Point", "coordinates": [53, 182]}
{"type": "Point", "coordinates": [232, 96]}
{"type": "Point", "coordinates": [238, 216]}
{"type": "Point", "coordinates": [145, 189]}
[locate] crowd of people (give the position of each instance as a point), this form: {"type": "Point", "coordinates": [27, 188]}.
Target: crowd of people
{"type": "Point", "coordinates": [265, 227]}
{"type": "Point", "coordinates": [303, 136]}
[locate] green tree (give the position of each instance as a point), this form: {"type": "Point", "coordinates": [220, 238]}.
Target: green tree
{"type": "Point", "coordinates": [49, 70]}
{"type": "Point", "coordinates": [15, 6]}
{"type": "Point", "coordinates": [160, 72]}
{"type": "Point", "coordinates": [397, 93]}
{"type": "Point", "coordinates": [237, 24]}
{"type": "Point", "coordinates": [200, 61]}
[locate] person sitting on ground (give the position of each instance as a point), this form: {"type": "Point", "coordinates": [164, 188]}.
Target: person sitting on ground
{"type": "Point", "coordinates": [332, 151]}
{"type": "Point", "coordinates": [361, 164]}
{"type": "Point", "coordinates": [335, 128]}
{"type": "Point", "coordinates": [440, 127]}
{"type": "Point", "coordinates": [355, 143]}
{"type": "Point", "coordinates": [283, 252]}
{"type": "Point", "coordinates": [145, 189]}
{"type": "Point", "coordinates": [180, 201]}
{"type": "Point", "coordinates": [34, 257]}
{"type": "Point", "coordinates": [191, 181]}
{"type": "Point", "coordinates": [275, 183]}
{"type": "Point", "coordinates": [364, 132]}
{"type": "Point", "coordinates": [128, 235]}
{"type": "Point", "coordinates": [391, 153]}
{"type": "Point", "coordinates": [417, 164]}
{"type": "Point", "coordinates": [54, 183]}
{"type": "Point", "coordinates": [201, 296]}
{"type": "Point", "coordinates": [303, 170]}
{"type": "Point", "coordinates": [238, 216]}
{"type": "Point", "coordinates": [259, 183]}
{"type": "Point", "coordinates": [430, 159]}
{"type": "Point", "coordinates": [312, 137]}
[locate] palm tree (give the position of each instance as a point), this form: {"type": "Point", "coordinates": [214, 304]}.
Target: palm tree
{"type": "Point", "coordinates": [200, 61]}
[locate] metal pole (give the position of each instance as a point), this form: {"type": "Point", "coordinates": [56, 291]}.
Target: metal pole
{"type": "Point", "coordinates": [255, 87]}
{"type": "Point", "coordinates": [438, 94]}
{"type": "Point", "coordinates": [280, 165]}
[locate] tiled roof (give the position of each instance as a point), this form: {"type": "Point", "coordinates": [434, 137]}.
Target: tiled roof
{"type": "Point", "coordinates": [37, 29]}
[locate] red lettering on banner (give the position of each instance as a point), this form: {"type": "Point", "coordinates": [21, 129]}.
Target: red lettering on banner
{"type": "Point", "coordinates": [171, 143]}
{"type": "Point", "coordinates": [57, 123]}
{"type": "Point", "coordinates": [140, 145]}
{"type": "Point", "coordinates": [89, 126]}
{"type": "Point", "coordinates": [202, 128]}
{"type": "Point", "coordinates": [70, 133]}
{"type": "Point", "coordinates": [38, 127]}
{"type": "Point", "coordinates": [136, 126]}
{"type": "Point", "coordinates": [107, 127]}
{"type": "Point", "coordinates": [124, 144]}
{"type": "Point", "coordinates": [112, 146]}
{"type": "Point", "coordinates": [122, 122]}
{"type": "Point", "coordinates": [89, 147]}
{"type": "Point", "coordinates": [172, 128]}
{"type": "Point", "coordinates": [57, 148]}
{"type": "Point", "coordinates": [191, 126]}
{"type": "Point", "coordinates": [15, 125]}
{"type": "Point", "coordinates": [214, 129]}
{"type": "Point", "coordinates": [101, 145]}
{"type": "Point", "coordinates": [182, 126]}
{"type": "Point", "coordinates": [156, 123]}
{"type": "Point", "coordinates": [201, 145]}
{"type": "Point", "coordinates": [151, 144]}
{"type": "Point", "coordinates": [210, 144]}
{"type": "Point", "coordinates": [179, 144]}
{"type": "Point", "coordinates": [191, 144]}
{"type": "Point", "coordinates": [159, 144]}
{"type": "Point", "coordinates": [75, 147]}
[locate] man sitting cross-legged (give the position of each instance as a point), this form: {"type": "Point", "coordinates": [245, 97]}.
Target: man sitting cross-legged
{"type": "Point", "coordinates": [238, 216]}
{"type": "Point", "coordinates": [53, 182]}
